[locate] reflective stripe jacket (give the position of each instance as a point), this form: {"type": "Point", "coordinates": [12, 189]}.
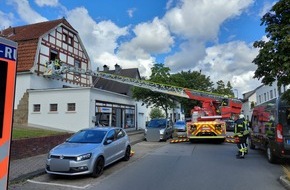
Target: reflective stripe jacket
{"type": "Point", "coordinates": [241, 128]}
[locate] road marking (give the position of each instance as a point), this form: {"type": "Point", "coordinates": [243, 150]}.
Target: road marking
{"type": "Point", "coordinates": [57, 184]}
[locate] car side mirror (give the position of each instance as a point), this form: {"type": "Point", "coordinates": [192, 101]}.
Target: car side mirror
{"type": "Point", "coordinates": [108, 141]}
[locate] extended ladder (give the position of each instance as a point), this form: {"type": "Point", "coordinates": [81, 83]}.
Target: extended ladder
{"type": "Point", "coordinates": [57, 69]}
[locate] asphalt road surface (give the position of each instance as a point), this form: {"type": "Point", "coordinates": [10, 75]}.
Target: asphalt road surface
{"type": "Point", "coordinates": [164, 166]}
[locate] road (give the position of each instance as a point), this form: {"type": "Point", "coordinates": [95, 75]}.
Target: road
{"type": "Point", "coordinates": [160, 165]}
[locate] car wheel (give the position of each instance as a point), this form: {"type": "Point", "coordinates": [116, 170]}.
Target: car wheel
{"type": "Point", "coordinates": [98, 167]}
{"type": "Point", "coordinates": [270, 156]}
{"type": "Point", "coordinates": [127, 154]}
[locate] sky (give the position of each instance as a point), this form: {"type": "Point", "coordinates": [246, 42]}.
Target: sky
{"type": "Point", "coordinates": [214, 37]}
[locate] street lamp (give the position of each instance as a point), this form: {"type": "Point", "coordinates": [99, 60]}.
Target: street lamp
{"type": "Point", "coordinates": [237, 92]}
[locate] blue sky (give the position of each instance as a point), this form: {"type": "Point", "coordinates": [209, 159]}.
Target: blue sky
{"type": "Point", "coordinates": [214, 36]}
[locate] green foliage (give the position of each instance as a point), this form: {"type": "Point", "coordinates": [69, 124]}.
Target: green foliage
{"type": "Point", "coordinates": [156, 113]}
{"type": "Point", "coordinates": [160, 74]}
{"type": "Point", "coordinates": [274, 57]}
{"type": "Point", "coordinates": [223, 89]}
{"type": "Point", "coordinates": [191, 80]}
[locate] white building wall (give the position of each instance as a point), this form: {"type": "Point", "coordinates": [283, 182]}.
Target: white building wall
{"type": "Point", "coordinates": [27, 81]}
{"type": "Point", "coordinates": [84, 98]}
{"type": "Point", "coordinates": [246, 108]}
{"type": "Point", "coordinates": [266, 93]}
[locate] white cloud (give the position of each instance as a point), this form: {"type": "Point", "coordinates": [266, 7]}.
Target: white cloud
{"type": "Point", "coordinates": [151, 37]}
{"type": "Point", "coordinates": [201, 19]}
{"type": "Point", "coordinates": [266, 8]}
{"type": "Point", "coordinates": [131, 12]}
{"type": "Point", "coordinates": [231, 62]}
{"type": "Point", "coordinates": [6, 20]}
{"type": "Point", "coordinates": [100, 39]}
{"type": "Point", "coordinates": [26, 13]}
{"type": "Point", "coordinates": [50, 3]}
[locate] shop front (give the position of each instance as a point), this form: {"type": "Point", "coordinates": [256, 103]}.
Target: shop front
{"type": "Point", "coordinates": [114, 114]}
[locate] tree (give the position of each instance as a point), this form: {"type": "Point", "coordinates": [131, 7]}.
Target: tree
{"type": "Point", "coordinates": [224, 90]}
{"type": "Point", "coordinates": [156, 113]}
{"type": "Point", "coordinates": [192, 80]}
{"type": "Point", "coordinates": [160, 74]}
{"type": "Point", "coordinates": [273, 60]}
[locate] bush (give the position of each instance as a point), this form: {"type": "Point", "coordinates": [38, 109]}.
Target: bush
{"type": "Point", "coordinates": [156, 113]}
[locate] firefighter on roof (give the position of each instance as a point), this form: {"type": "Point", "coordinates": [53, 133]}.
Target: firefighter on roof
{"type": "Point", "coordinates": [241, 128]}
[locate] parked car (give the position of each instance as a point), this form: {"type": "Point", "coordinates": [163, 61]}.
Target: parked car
{"type": "Point", "coordinates": [164, 127]}
{"type": "Point", "coordinates": [230, 125]}
{"type": "Point", "coordinates": [270, 131]}
{"type": "Point", "coordinates": [89, 151]}
{"type": "Point", "coordinates": [179, 126]}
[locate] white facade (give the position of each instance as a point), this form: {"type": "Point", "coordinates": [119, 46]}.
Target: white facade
{"type": "Point", "coordinates": [247, 106]}
{"type": "Point", "coordinates": [27, 81]}
{"type": "Point", "coordinates": [83, 116]}
{"type": "Point", "coordinates": [262, 94]}
{"type": "Point", "coordinates": [266, 93]}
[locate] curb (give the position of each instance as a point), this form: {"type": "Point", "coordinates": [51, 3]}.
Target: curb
{"type": "Point", "coordinates": [285, 182]}
{"type": "Point", "coordinates": [27, 176]}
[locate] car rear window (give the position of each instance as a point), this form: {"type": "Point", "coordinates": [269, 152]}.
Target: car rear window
{"type": "Point", "coordinates": [180, 122]}
{"type": "Point", "coordinates": [157, 123]}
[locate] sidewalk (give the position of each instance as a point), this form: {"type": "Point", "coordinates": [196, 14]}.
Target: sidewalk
{"type": "Point", "coordinates": [26, 168]}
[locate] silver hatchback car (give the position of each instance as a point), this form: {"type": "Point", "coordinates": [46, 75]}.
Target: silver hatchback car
{"type": "Point", "coordinates": [89, 151]}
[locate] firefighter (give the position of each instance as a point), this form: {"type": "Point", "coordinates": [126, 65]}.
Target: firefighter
{"type": "Point", "coordinates": [57, 64]}
{"type": "Point", "coordinates": [240, 133]}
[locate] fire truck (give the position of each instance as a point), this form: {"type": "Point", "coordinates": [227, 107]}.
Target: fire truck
{"type": "Point", "coordinates": [208, 121]}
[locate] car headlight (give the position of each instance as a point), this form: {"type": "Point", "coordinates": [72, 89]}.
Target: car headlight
{"type": "Point", "coordinates": [161, 131]}
{"type": "Point", "coordinates": [84, 157]}
{"type": "Point", "coordinates": [49, 155]}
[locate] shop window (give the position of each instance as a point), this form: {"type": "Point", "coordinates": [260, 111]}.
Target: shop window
{"type": "Point", "coordinates": [36, 107]}
{"type": "Point", "coordinates": [129, 118]}
{"type": "Point", "coordinates": [53, 107]}
{"type": "Point", "coordinates": [71, 107]}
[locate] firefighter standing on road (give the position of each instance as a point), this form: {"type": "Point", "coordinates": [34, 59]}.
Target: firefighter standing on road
{"type": "Point", "coordinates": [241, 129]}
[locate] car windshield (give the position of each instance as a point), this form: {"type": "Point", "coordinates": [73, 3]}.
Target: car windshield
{"type": "Point", "coordinates": [180, 123]}
{"type": "Point", "coordinates": [88, 136]}
{"type": "Point", "coordinates": [157, 123]}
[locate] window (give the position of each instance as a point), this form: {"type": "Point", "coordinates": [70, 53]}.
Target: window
{"type": "Point", "coordinates": [77, 64]}
{"type": "Point", "coordinates": [53, 107]}
{"type": "Point", "coordinates": [70, 40]}
{"type": "Point", "coordinates": [120, 133]}
{"type": "Point", "coordinates": [271, 94]}
{"type": "Point", "coordinates": [53, 55]}
{"type": "Point", "coordinates": [71, 107]}
{"type": "Point", "coordinates": [265, 97]}
{"type": "Point", "coordinates": [64, 37]}
{"type": "Point", "coordinates": [36, 107]}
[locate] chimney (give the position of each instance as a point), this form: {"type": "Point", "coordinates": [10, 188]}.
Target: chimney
{"type": "Point", "coordinates": [117, 68]}
{"type": "Point", "coordinates": [106, 68]}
